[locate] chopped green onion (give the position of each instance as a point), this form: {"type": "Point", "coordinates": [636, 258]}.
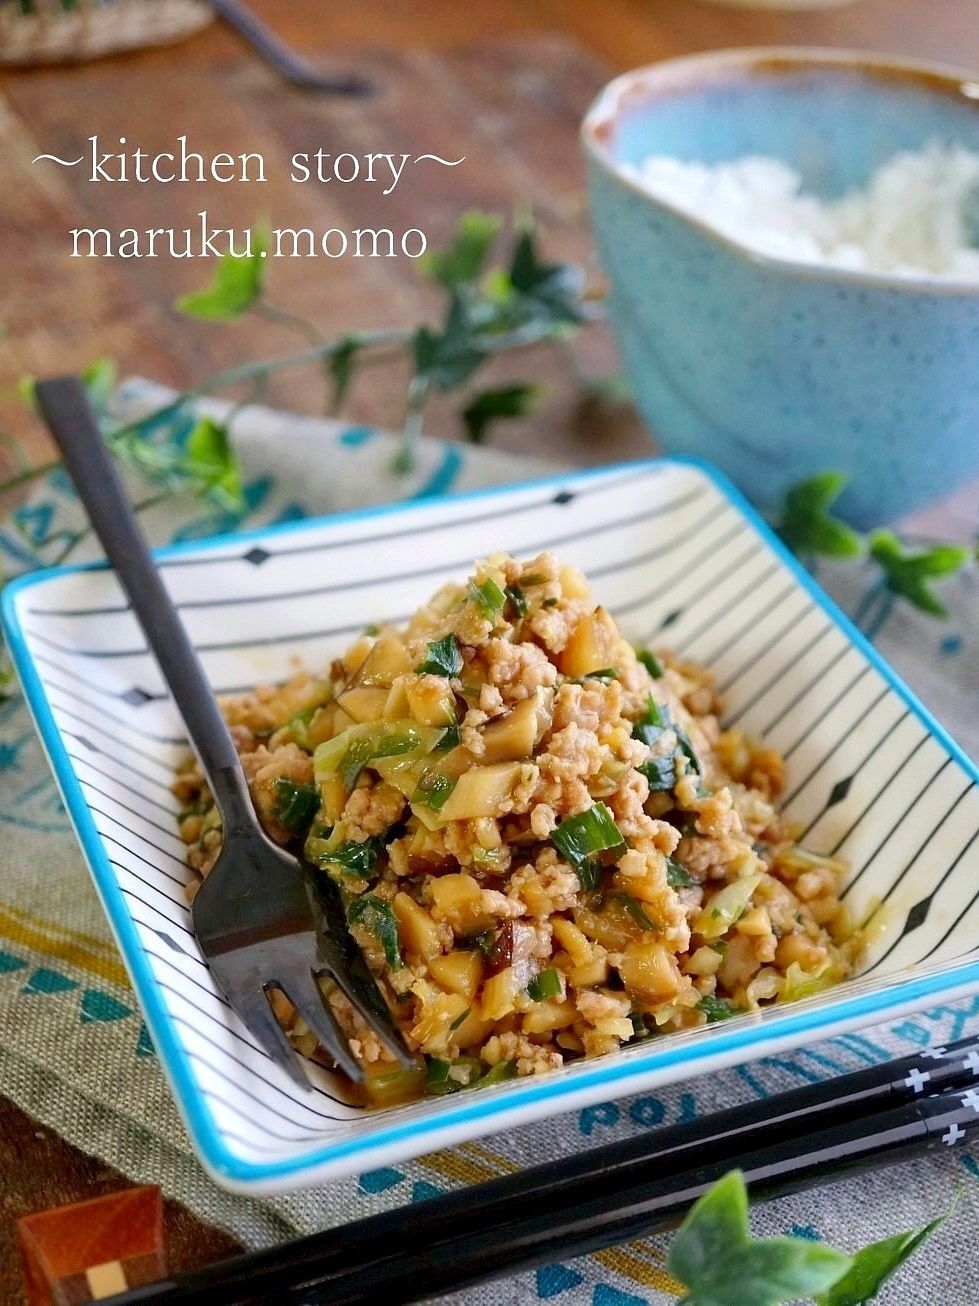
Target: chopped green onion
{"type": "Point", "coordinates": [356, 859]}
{"type": "Point", "coordinates": [549, 603]}
{"type": "Point", "coordinates": [660, 773]}
{"type": "Point", "coordinates": [295, 805]}
{"type": "Point", "coordinates": [498, 1074]}
{"type": "Point", "coordinates": [433, 791]}
{"type": "Point", "coordinates": [715, 1008]}
{"type": "Point", "coordinates": [444, 1076]}
{"type": "Point", "coordinates": [545, 985]}
{"type": "Point", "coordinates": [366, 750]}
{"type": "Point", "coordinates": [650, 729]}
{"type": "Point", "coordinates": [650, 661]}
{"type": "Point", "coordinates": [488, 597]}
{"type": "Point", "coordinates": [606, 673]}
{"type": "Point", "coordinates": [449, 740]}
{"type": "Point", "coordinates": [636, 910]}
{"type": "Point", "coordinates": [533, 578]}
{"type": "Point", "coordinates": [374, 914]}
{"type": "Point", "coordinates": [298, 726]}
{"type": "Point", "coordinates": [372, 628]}
{"type": "Point", "coordinates": [518, 600]}
{"type": "Point", "coordinates": [687, 749]}
{"type": "Point", "coordinates": [483, 941]}
{"type": "Point", "coordinates": [488, 859]}
{"type": "Point", "coordinates": [677, 875]}
{"type": "Point", "coordinates": [444, 658]}
{"type": "Point", "coordinates": [460, 1019]}
{"type": "Point", "coordinates": [581, 838]}
{"type": "Point", "coordinates": [437, 1081]}
{"type": "Point", "coordinates": [653, 716]}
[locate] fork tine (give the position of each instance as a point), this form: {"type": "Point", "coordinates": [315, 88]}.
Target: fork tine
{"type": "Point", "coordinates": [304, 994]}
{"type": "Point", "coordinates": [356, 982]}
{"type": "Point", "coordinates": [344, 961]}
{"type": "Point", "coordinates": [258, 1016]}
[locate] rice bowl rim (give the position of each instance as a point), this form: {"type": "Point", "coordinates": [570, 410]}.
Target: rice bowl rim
{"type": "Point", "coordinates": [643, 85]}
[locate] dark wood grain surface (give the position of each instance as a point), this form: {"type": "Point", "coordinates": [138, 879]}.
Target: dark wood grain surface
{"type": "Point", "coordinates": [502, 81]}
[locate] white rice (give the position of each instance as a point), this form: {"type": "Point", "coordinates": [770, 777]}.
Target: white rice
{"type": "Point", "coordinates": [917, 216]}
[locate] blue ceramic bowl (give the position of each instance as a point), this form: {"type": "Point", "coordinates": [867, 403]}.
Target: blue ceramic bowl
{"type": "Point", "coordinates": [773, 369]}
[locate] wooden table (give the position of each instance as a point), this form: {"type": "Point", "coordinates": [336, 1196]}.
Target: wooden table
{"type": "Point", "coordinates": [502, 81]}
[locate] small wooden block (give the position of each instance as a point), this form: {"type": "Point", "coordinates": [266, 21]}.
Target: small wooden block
{"type": "Point", "coordinates": [93, 1250]}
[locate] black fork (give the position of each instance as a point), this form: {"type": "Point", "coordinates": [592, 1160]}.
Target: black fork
{"type": "Point", "coordinates": [263, 919]}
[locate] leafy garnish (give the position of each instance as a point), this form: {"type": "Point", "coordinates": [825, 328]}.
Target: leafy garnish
{"type": "Point", "coordinates": [295, 805]}
{"type": "Point", "coordinates": [342, 367]}
{"type": "Point", "coordinates": [715, 1008]}
{"type": "Point", "coordinates": [545, 984]}
{"type": "Point", "coordinates": [650, 661]}
{"type": "Point", "coordinates": [582, 838]}
{"type": "Point", "coordinates": [488, 597]}
{"type": "Point", "coordinates": [488, 406]}
{"type": "Point", "coordinates": [910, 574]}
{"type": "Point", "coordinates": [443, 658]}
{"type": "Point", "coordinates": [715, 1257]}
{"type": "Point", "coordinates": [374, 914]}
{"type": "Point", "coordinates": [465, 257]}
{"type": "Point", "coordinates": [677, 875]}
{"type": "Point", "coordinates": [211, 463]}
{"type": "Point", "coordinates": [874, 1264]}
{"type": "Point", "coordinates": [809, 528]}
{"type": "Point", "coordinates": [236, 287]}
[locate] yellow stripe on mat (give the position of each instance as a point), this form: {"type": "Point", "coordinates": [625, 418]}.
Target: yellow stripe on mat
{"type": "Point", "coordinates": [78, 954]}
{"type": "Point", "coordinates": [473, 1163]}
{"type": "Point", "coordinates": [93, 941]}
{"type": "Point", "coordinates": [622, 1261]}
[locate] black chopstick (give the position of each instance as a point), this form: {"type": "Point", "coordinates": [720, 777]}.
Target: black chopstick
{"type": "Point", "coordinates": [614, 1193]}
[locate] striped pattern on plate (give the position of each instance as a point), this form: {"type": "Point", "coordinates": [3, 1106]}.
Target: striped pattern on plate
{"type": "Point", "coordinates": [680, 560]}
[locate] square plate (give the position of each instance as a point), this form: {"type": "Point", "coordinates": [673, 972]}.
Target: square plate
{"type": "Point", "coordinates": [678, 556]}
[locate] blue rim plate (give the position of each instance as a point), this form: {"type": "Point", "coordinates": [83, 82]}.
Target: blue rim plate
{"type": "Point", "coordinates": [679, 556]}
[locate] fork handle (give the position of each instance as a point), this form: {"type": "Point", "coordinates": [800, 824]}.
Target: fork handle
{"type": "Point", "coordinates": [67, 412]}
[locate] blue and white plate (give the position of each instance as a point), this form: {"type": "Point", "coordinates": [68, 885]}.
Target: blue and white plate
{"type": "Point", "coordinates": [682, 561]}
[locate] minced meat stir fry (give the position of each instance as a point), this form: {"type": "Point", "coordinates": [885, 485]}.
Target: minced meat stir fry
{"type": "Point", "coordinates": [546, 845]}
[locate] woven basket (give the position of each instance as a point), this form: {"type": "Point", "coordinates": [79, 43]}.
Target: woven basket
{"type": "Point", "coordinates": [54, 33]}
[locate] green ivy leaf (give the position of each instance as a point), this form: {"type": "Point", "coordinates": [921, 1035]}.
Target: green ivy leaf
{"type": "Point", "coordinates": [809, 528]}
{"type": "Point", "coordinates": [449, 357]}
{"type": "Point", "coordinates": [342, 367]}
{"type": "Point", "coordinates": [909, 574]}
{"type": "Point", "coordinates": [236, 286]}
{"type": "Point", "coordinates": [99, 379]}
{"type": "Point", "coordinates": [718, 1261]}
{"type": "Point", "coordinates": [489, 405]}
{"type": "Point", "coordinates": [553, 288]}
{"type": "Point", "coordinates": [465, 257]}
{"type": "Point", "coordinates": [211, 463]}
{"type": "Point", "coordinates": [873, 1265]}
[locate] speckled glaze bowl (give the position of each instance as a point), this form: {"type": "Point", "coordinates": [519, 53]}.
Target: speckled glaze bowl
{"type": "Point", "coordinates": [774, 369]}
